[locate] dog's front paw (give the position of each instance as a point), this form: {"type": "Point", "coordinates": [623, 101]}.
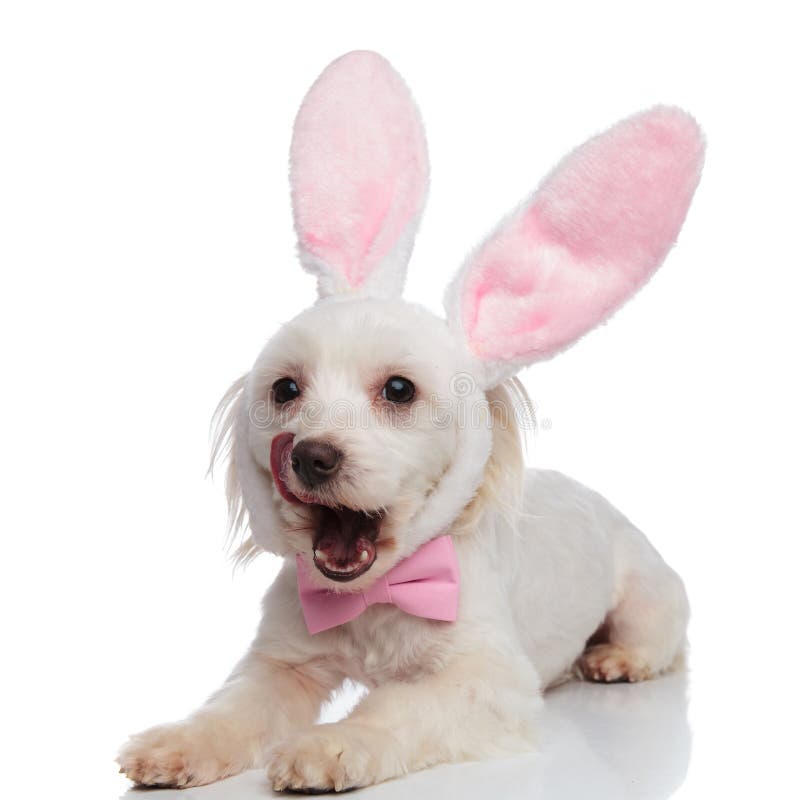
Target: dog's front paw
{"type": "Point", "coordinates": [178, 754]}
{"type": "Point", "coordinates": [344, 755]}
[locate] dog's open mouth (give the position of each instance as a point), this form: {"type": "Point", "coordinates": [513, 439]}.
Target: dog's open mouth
{"type": "Point", "coordinates": [344, 540]}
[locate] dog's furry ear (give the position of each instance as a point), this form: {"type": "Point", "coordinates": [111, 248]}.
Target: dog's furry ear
{"type": "Point", "coordinates": [597, 228]}
{"type": "Point", "coordinates": [359, 177]}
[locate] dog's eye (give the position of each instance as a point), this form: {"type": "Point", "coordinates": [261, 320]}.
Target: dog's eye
{"type": "Point", "coordinates": [284, 390]}
{"type": "Point", "coordinates": [398, 390]}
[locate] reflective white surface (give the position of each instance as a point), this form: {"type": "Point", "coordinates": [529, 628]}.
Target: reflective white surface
{"type": "Point", "coordinates": [620, 741]}
{"type": "Point", "coordinates": [147, 252]}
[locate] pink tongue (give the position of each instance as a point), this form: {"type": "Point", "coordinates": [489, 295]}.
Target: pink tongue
{"type": "Point", "coordinates": [279, 455]}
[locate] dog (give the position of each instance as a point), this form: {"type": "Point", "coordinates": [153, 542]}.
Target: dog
{"type": "Point", "coordinates": [377, 448]}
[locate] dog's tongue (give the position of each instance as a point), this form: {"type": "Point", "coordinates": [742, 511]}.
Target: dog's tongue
{"type": "Point", "coordinates": [279, 456]}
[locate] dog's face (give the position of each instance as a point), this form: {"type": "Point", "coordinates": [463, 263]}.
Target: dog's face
{"type": "Point", "coordinates": [354, 414]}
{"type": "Point", "coordinates": [355, 436]}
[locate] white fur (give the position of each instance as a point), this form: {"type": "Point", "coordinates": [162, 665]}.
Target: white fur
{"type": "Point", "coordinates": [545, 564]}
{"type": "Point", "coordinates": [536, 584]}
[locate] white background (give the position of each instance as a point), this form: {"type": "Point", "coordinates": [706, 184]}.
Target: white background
{"type": "Point", "coordinates": [147, 253]}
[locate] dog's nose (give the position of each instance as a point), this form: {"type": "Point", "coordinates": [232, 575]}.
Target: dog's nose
{"type": "Point", "coordinates": [315, 461]}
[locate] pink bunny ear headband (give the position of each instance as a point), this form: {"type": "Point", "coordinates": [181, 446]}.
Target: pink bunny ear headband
{"type": "Point", "coordinates": [561, 263]}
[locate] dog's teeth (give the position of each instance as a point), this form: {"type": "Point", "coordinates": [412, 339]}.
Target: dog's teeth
{"type": "Point", "coordinates": [364, 555]}
{"type": "Point", "coordinates": [318, 555]}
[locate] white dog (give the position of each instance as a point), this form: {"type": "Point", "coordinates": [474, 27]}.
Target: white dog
{"type": "Point", "coordinates": [377, 448]}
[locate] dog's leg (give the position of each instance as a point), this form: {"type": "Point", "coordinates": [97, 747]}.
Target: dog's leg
{"type": "Point", "coordinates": [261, 703]}
{"type": "Point", "coordinates": [645, 634]}
{"type": "Point", "coordinates": [477, 707]}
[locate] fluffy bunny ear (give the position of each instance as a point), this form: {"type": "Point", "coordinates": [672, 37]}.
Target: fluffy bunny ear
{"type": "Point", "coordinates": [591, 236]}
{"type": "Point", "coordinates": [359, 176]}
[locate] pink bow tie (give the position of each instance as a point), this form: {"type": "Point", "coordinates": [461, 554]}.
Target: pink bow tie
{"type": "Point", "coordinates": [425, 584]}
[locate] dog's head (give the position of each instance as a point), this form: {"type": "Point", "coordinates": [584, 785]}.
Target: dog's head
{"type": "Point", "coordinates": [367, 423]}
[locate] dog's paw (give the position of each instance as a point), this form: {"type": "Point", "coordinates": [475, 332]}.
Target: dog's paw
{"type": "Point", "coordinates": [178, 754]}
{"type": "Point", "coordinates": [612, 663]}
{"type": "Point", "coordinates": [344, 755]}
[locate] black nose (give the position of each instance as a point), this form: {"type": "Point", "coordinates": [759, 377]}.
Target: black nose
{"type": "Point", "coordinates": [315, 461]}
